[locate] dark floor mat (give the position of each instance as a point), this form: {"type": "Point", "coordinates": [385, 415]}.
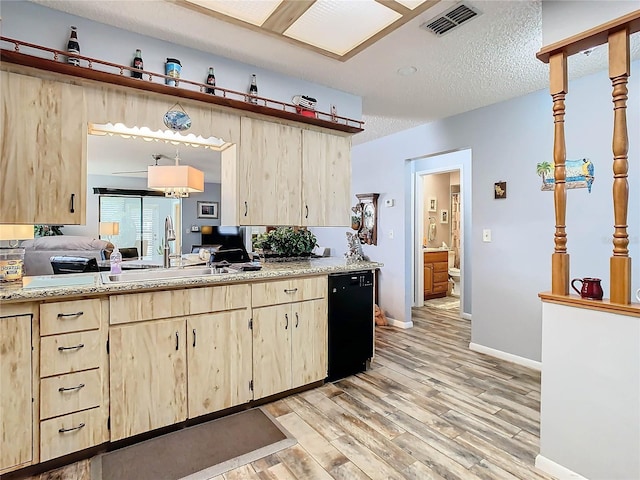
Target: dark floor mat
{"type": "Point", "coordinates": [209, 448]}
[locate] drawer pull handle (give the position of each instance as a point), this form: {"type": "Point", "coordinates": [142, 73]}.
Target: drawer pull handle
{"type": "Point", "coordinates": [297, 319]}
{"type": "Point", "coordinates": [290, 290]}
{"type": "Point", "coordinates": [65, 430]}
{"type": "Point", "coordinates": [246, 208]}
{"type": "Point", "coordinates": [72, 209]}
{"type": "Point", "coordinates": [177, 341]}
{"type": "Point", "coordinates": [286, 325]}
{"type": "Point", "coordinates": [306, 207]}
{"type": "Point", "coordinates": [194, 337]}
{"type": "Point", "coordinates": [69, 389]}
{"type": "Point", "coordinates": [75, 347]}
{"type": "Point", "coordinates": [77, 314]}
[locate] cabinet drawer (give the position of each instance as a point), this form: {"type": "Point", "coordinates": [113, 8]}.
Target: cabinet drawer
{"type": "Point", "coordinates": [441, 267]}
{"type": "Point", "coordinates": [70, 393]}
{"type": "Point", "coordinates": [216, 299]}
{"type": "Point", "coordinates": [432, 257]}
{"type": "Point", "coordinates": [287, 291]}
{"type": "Point", "coordinates": [137, 307]}
{"type": "Point", "coordinates": [69, 353]}
{"type": "Point", "coordinates": [63, 317]}
{"type": "Point", "coordinates": [440, 277]}
{"type": "Point", "coordinates": [71, 433]}
{"type": "Point", "coordinates": [439, 287]}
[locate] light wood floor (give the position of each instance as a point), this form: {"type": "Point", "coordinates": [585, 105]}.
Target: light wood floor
{"type": "Point", "coordinates": [429, 408]}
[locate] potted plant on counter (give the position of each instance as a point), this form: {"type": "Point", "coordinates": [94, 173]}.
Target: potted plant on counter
{"type": "Point", "coordinates": [285, 244]}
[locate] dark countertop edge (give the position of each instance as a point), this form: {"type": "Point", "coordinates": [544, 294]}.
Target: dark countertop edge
{"type": "Point", "coordinates": [21, 295]}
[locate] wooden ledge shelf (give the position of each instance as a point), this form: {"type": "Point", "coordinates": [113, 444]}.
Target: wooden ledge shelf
{"type": "Point", "coordinates": [632, 310]}
{"type": "Point", "coordinates": [591, 38]}
{"type": "Point", "coordinates": [342, 124]}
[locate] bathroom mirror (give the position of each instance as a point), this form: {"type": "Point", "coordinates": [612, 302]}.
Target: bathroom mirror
{"type": "Point", "coordinates": [369, 210]}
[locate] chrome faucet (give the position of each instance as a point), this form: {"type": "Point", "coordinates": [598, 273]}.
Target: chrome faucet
{"type": "Point", "coordinates": [169, 236]}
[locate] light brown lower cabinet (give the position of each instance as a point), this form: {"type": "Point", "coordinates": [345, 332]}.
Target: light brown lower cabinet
{"type": "Point", "coordinates": [150, 387]}
{"type": "Point", "coordinates": [218, 361]}
{"type": "Point", "coordinates": [16, 423]}
{"type": "Point", "coordinates": [148, 376]}
{"type": "Point", "coordinates": [289, 346]}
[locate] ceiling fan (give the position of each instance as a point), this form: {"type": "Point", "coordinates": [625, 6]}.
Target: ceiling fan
{"type": "Point", "coordinates": [155, 156]}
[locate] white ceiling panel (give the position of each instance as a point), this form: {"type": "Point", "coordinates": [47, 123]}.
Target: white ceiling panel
{"type": "Point", "coordinates": [338, 25]}
{"type": "Point", "coordinates": [250, 11]}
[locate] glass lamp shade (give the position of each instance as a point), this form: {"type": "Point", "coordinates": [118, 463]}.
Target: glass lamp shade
{"type": "Point", "coordinates": [109, 228]}
{"type": "Point", "coordinates": [180, 180]}
{"type": "Point", "coordinates": [16, 232]}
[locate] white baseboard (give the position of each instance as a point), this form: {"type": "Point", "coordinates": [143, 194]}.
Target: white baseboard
{"type": "Point", "coordinates": [509, 357]}
{"type": "Point", "coordinates": [556, 470]}
{"type": "Point", "coordinates": [397, 323]}
{"type": "Point", "coordinates": [466, 316]}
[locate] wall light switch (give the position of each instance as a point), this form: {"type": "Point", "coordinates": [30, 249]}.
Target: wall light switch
{"type": "Point", "coordinates": [486, 235]}
{"type": "Point", "coordinates": [389, 202]}
{"type": "Point", "coordinates": [391, 234]}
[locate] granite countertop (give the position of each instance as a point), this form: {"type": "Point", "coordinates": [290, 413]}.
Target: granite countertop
{"type": "Point", "coordinates": [91, 284]}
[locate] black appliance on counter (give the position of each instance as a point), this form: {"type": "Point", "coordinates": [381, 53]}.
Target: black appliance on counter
{"type": "Point", "coordinates": [351, 319]}
{"type": "Point", "coordinates": [225, 243]}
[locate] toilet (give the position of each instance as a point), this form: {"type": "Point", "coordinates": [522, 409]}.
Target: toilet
{"type": "Point", "coordinates": [454, 274]}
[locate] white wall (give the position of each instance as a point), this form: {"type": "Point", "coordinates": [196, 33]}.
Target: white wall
{"type": "Point", "coordinates": [562, 19]}
{"type": "Point", "coordinates": [590, 398]}
{"type": "Point", "coordinates": [507, 140]}
{"type": "Point", "coordinates": [43, 26]}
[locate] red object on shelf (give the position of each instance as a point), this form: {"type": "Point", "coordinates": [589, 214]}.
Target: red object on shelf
{"type": "Point", "coordinates": [306, 113]}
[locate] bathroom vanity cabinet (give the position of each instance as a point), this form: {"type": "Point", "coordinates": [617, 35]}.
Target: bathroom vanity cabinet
{"type": "Point", "coordinates": [436, 276]}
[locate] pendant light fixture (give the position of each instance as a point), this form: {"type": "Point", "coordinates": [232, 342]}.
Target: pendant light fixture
{"type": "Point", "coordinates": [175, 180]}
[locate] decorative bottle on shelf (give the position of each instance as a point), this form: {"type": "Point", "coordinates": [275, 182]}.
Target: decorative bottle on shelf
{"type": "Point", "coordinates": [137, 64]}
{"type": "Point", "coordinates": [115, 261]}
{"type": "Point", "coordinates": [211, 80]}
{"type": "Point", "coordinates": [73, 47]}
{"type": "Point", "coordinates": [253, 90]}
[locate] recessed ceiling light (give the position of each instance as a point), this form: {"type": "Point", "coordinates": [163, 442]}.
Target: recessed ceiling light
{"type": "Point", "coordinates": [406, 71]}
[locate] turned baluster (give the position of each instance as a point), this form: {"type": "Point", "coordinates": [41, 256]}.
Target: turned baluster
{"type": "Point", "coordinates": [560, 257]}
{"type": "Point", "coordinates": [619, 71]}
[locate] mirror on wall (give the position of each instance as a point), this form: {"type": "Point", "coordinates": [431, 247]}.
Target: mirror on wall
{"type": "Point", "coordinates": [365, 218]}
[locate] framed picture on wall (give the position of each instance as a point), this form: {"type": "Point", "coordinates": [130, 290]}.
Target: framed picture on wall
{"type": "Point", "coordinates": [207, 209]}
{"type": "Point", "coordinates": [444, 216]}
{"type": "Point", "coordinates": [433, 204]}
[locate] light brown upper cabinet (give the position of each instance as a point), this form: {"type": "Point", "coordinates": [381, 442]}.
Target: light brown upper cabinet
{"type": "Point", "coordinates": [269, 173]}
{"type": "Point", "coordinates": [43, 149]}
{"type": "Point", "coordinates": [284, 175]}
{"type": "Point", "coordinates": [326, 179]}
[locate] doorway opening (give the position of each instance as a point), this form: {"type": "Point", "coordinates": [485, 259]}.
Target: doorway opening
{"type": "Point", "coordinates": [440, 219]}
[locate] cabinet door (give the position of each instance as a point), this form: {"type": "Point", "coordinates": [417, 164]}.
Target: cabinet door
{"type": "Point", "coordinates": [148, 377]}
{"type": "Point", "coordinates": [219, 360]}
{"type": "Point", "coordinates": [16, 423]}
{"type": "Point", "coordinates": [271, 350]}
{"type": "Point", "coordinates": [269, 173]}
{"type": "Point", "coordinates": [428, 278]}
{"type": "Point", "coordinates": [309, 342]}
{"type": "Point", "coordinates": [326, 179]}
{"type": "Point", "coordinates": [43, 150]}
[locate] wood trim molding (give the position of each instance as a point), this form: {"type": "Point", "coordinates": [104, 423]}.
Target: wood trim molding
{"type": "Point", "coordinates": [286, 14]}
{"type": "Point", "coordinates": [632, 310]}
{"type": "Point", "coordinates": [10, 56]}
{"type": "Point", "coordinates": [592, 37]}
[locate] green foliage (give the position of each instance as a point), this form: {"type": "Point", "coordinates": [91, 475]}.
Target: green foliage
{"type": "Point", "coordinates": [286, 241]}
{"type": "Point", "coordinates": [47, 230]}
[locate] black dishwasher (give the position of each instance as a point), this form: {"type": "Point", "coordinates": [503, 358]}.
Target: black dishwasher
{"type": "Point", "coordinates": [350, 323]}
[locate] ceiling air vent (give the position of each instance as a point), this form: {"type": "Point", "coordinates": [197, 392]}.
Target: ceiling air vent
{"type": "Point", "coordinates": [450, 19]}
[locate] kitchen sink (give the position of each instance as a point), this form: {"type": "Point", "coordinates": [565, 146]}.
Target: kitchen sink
{"type": "Point", "coordinates": [165, 274]}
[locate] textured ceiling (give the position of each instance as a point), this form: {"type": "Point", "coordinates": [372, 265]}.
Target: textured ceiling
{"type": "Point", "coordinates": [489, 59]}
